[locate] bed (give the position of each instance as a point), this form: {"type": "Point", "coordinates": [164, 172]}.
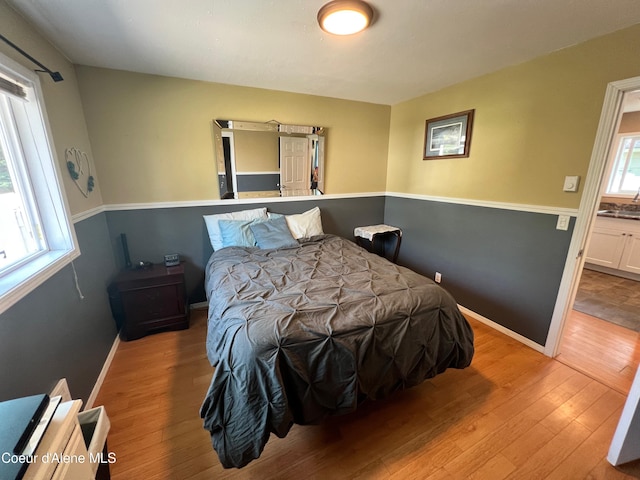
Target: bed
{"type": "Point", "coordinates": [314, 329]}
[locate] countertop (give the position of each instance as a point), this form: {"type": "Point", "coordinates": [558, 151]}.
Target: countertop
{"type": "Point", "coordinates": [626, 214]}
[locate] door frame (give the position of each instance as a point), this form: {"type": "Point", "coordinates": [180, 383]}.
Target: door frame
{"type": "Point", "coordinates": [607, 130]}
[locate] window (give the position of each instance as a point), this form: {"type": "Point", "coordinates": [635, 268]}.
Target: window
{"type": "Point", "coordinates": [21, 235]}
{"type": "Point", "coordinates": [36, 238]}
{"type": "Point", "coordinates": [625, 175]}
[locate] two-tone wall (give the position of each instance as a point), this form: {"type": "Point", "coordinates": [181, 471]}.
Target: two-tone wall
{"type": "Point", "coordinates": [153, 141]}
{"type": "Point", "coordinates": [64, 328]}
{"type": "Point", "coordinates": [53, 332]}
{"type": "Point", "coordinates": [487, 223]}
{"type": "Point", "coordinates": [504, 264]}
{"type": "Point", "coordinates": [154, 232]}
{"type": "Point", "coordinates": [257, 161]}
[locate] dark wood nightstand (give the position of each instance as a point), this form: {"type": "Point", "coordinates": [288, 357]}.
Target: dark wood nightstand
{"type": "Point", "coordinates": [149, 299]}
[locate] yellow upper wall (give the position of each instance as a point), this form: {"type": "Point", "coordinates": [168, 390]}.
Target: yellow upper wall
{"type": "Point", "coordinates": [152, 135]}
{"type": "Point", "coordinates": [256, 151]}
{"type": "Point", "coordinates": [62, 101]}
{"type": "Point", "coordinates": [534, 123]}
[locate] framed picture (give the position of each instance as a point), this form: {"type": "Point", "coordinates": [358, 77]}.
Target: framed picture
{"type": "Point", "coordinates": [448, 136]}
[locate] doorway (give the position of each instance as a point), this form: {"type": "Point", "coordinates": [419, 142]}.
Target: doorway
{"type": "Point", "coordinates": [295, 165]}
{"type": "Point", "coordinates": [601, 333]}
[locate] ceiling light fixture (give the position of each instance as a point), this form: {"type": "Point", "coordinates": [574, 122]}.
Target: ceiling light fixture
{"type": "Point", "coordinates": [345, 17]}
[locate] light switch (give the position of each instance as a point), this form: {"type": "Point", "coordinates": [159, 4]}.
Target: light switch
{"type": "Point", "coordinates": [571, 183]}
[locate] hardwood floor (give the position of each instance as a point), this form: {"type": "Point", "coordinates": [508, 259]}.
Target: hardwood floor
{"type": "Point", "coordinates": [514, 414]}
{"type": "Point", "coordinates": [604, 351]}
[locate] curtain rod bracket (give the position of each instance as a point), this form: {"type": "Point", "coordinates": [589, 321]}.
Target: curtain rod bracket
{"type": "Point", "coordinates": [55, 76]}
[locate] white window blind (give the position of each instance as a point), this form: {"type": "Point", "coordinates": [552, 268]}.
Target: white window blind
{"type": "Point", "coordinates": [12, 88]}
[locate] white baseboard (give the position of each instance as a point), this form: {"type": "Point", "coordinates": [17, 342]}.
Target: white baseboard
{"type": "Point", "coordinates": [195, 306]}
{"type": "Point", "coordinates": [501, 329]}
{"type": "Point", "coordinates": [103, 374]}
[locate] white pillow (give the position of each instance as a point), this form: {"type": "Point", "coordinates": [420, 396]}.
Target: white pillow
{"type": "Point", "coordinates": [215, 237]}
{"type": "Point", "coordinates": [305, 225]}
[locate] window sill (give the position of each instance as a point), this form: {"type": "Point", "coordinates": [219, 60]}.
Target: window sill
{"type": "Point", "coordinates": [17, 284]}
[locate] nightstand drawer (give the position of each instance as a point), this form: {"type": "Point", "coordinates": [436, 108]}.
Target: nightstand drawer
{"type": "Point", "coordinates": [154, 302]}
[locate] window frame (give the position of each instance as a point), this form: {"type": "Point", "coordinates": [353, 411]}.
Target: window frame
{"type": "Point", "coordinates": [43, 173]}
{"type": "Point", "coordinates": [620, 138]}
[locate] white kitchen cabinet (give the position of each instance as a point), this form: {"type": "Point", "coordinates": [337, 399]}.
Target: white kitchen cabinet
{"type": "Point", "coordinates": [630, 260]}
{"type": "Point", "coordinates": [615, 243]}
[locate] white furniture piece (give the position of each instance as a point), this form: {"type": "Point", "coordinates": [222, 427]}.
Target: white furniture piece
{"type": "Point", "coordinates": [625, 446]}
{"type": "Point", "coordinates": [615, 244]}
{"type": "Point", "coordinates": [62, 453]}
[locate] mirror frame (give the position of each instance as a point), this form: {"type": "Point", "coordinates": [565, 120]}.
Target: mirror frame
{"type": "Point", "coordinates": [225, 157]}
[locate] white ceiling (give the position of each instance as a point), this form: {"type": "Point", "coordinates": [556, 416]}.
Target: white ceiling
{"type": "Point", "coordinates": [413, 47]}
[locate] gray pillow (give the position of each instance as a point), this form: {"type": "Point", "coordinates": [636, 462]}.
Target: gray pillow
{"type": "Point", "coordinates": [273, 234]}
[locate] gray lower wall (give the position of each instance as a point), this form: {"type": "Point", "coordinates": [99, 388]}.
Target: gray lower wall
{"type": "Point", "coordinates": [52, 333]}
{"type": "Point", "coordinates": [505, 265]}
{"type": "Point", "coordinates": [248, 182]}
{"type": "Point", "coordinates": [152, 233]}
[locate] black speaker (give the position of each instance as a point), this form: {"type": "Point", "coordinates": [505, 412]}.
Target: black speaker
{"type": "Point", "coordinates": [125, 250]}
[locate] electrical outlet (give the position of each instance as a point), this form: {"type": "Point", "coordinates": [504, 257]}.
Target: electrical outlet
{"type": "Point", "coordinates": [438, 277]}
{"type": "Point", "coordinates": [563, 222]}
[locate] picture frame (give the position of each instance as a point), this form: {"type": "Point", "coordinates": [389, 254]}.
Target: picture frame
{"type": "Point", "coordinates": [448, 136]}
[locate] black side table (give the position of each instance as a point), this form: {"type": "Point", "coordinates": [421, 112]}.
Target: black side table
{"type": "Point", "coordinates": [375, 233]}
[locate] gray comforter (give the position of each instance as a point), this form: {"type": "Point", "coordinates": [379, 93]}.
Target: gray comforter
{"type": "Point", "coordinates": [301, 333]}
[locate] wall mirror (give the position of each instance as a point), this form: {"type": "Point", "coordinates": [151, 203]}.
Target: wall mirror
{"type": "Point", "coordinates": [268, 159]}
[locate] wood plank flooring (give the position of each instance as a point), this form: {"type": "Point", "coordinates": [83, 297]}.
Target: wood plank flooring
{"type": "Point", "coordinates": [604, 351]}
{"type": "Point", "coordinates": [514, 414]}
